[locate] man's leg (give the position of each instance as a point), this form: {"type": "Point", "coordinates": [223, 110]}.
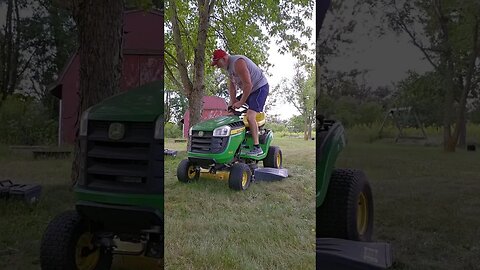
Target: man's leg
{"type": "Point", "coordinates": [252, 122]}
{"type": "Point", "coordinates": [256, 102]}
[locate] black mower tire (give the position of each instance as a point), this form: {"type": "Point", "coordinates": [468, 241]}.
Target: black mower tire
{"type": "Point", "coordinates": [59, 243]}
{"type": "Point", "coordinates": [274, 158]}
{"type": "Point", "coordinates": [184, 172]}
{"type": "Point", "coordinates": [240, 176]}
{"type": "Point", "coordinates": [348, 201]}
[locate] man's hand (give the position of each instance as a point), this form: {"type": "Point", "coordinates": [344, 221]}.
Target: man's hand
{"type": "Point", "coordinates": [238, 104]}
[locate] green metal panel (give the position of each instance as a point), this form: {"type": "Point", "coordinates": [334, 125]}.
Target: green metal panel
{"type": "Point", "coordinates": [249, 143]}
{"type": "Point", "coordinates": [143, 104]}
{"type": "Point", "coordinates": [328, 153]}
{"type": "Point", "coordinates": [141, 200]}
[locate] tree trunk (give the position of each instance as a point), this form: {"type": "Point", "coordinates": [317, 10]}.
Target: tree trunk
{"type": "Point", "coordinates": [448, 146]}
{"type": "Point", "coordinates": [205, 9]}
{"type": "Point", "coordinates": [194, 91]}
{"type": "Point", "coordinates": [461, 131]}
{"type": "Point", "coordinates": [9, 56]}
{"type": "Point", "coordinates": [462, 138]}
{"type": "Point", "coordinates": [310, 122]}
{"type": "Point", "coordinates": [100, 33]}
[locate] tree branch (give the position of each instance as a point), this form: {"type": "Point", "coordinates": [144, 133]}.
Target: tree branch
{"type": "Point", "coordinates": [182, 63]}
{"type": "Point", "coordinates": [172, 77]}
{"type": "Point", "coordinates": [400, 22]}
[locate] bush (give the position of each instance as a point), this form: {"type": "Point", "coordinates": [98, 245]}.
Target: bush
{"type": "Point", "coordinates": [276, 127]}
{"type": "Point", "coordinates": [172, 130]}
{"type": "Point", "coordinates": [25, 121]}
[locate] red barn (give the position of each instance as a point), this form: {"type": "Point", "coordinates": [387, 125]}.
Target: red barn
{"type": "Point", "coordinates": [142, 63]}
{"type": "Point", "coordinates": [212, 107]}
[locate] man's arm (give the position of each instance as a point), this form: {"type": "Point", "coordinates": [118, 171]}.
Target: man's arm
{"type": "Point", "coordinates": [232, 90]}
{"type": "Point", "coordinates": [244, 74]}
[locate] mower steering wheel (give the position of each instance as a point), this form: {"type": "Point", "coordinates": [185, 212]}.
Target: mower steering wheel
{"type": "Point", "coordinates": [238, 111]}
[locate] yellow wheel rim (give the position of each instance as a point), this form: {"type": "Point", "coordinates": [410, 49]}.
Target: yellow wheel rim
{"type": "Point", "coordinates": [244, 179]}
{"type": "Point", "coordinates": [191, 172]}
{"type": "Point", "coordinates": [362, 214]}
{"type": "Point", "coordinates": [279, 160]}
{"type": "Point", "coordinates": [85, 259]}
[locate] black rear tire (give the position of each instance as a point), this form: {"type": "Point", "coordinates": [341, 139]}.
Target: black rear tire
{"type": "Point", "coordinates": [61, 247]}
{"type": "Point", "coordinates": [347, 211]}
{"type": "Point", "coordinates": [240, 176]}
{"type": "Point", "coordinates": [274, 158]}
{"type": "Point", "coordinates": [187, 172]}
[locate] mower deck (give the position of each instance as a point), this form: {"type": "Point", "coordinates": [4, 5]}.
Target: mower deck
{"type": "Point", "coordinates": [261, 174]}
{"type": "Point", "coordinates": [270, 174]}
{"type": "Point", "coordinates": [340, 254]}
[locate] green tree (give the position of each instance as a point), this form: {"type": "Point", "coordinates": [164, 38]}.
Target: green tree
{"type": "Point", "coordinates": [447, 33]}
{"type": "Point", "coordinates": [195, 28]}
{"type": "Point", "coordinates": [300, 92]}
{"type": "Point", "coordinates": [423, 93]}
{"type": "Point", "coordinates": [340, 22]}
{"type": "Point", "coordinates": [296, 123]}
{"type": "Point", "coordinates": [41, 38]}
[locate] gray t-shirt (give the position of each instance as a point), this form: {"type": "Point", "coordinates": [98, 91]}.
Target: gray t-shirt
{"type": "Point", "coordinates": [256, 74]}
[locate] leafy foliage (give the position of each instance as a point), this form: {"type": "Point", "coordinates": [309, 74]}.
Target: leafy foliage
{"type": "Point", "coordinates": [172, 130]}
{"type": "Point", "coordinates": [300, 92]}
{"type": "Point", "coordinates": [447, 33]}
{"type": "Point", "coordinates": [25, 121]}
{"type": "Point", "coordinates": [240, 27]}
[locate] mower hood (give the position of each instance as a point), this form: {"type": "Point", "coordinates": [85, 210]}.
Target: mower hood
{"type": "Point", "coordinates": [143, 104]}
{"type": "Point", "coordinates": [211, 124]}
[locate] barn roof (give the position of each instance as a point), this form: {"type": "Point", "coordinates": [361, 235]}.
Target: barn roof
{"type": "Point", "coordinates": [214, 103]}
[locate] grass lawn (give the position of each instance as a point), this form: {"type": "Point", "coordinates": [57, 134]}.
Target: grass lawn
{"type": "Point", "coordinates": [427, 202]}
{"type": "Point", "coordinates": [426, 205]}
{"type": "Point", "coordinates": [268, 226]}
{"type": "Point", "coordinates": [21, 227]}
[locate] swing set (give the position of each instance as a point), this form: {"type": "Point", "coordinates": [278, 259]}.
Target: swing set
{"type": "Point", "coordinates": [401, 118]}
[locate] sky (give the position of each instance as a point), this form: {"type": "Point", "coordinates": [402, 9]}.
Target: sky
{"type": "Point", "coordinates": [387, 58]}
{"type": "Point", "coordinates": [283, 68]}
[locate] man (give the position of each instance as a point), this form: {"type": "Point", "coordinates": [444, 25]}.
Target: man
{"type": "Point", "coordinates": [246, 75]}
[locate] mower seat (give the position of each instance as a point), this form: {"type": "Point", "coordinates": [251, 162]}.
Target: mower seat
{"type": "Point", "coordinates": [260, 118]}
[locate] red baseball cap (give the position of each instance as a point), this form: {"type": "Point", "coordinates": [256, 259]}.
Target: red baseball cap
{"type": "Point", "coordinates": [217, 54]}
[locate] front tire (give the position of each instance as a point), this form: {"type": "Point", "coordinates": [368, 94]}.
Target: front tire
{"type": "Point", "coordinates": [67, 244]}
{"type": "Point", "coordinates": [274, 158]}
{"type": "Point", "coordinates": [240, 176]}
{"type": "Point", "coordinates": [187, 171]}
{"type": "Point", "coordinates": [347, 211]}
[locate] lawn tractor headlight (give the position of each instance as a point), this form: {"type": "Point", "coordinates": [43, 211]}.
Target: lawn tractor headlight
{"type": "Point", "coordinates": [84, 123]}
{"type": "Point", "coordinates": [190, 131]}
{"type": "Point", "coordinates": [159, 128]}
{"type": "Point", "coordinates": [223, 131]}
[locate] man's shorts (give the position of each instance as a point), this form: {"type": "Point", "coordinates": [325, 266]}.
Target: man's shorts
{"type": "Point", "coordinates": [256, 99]}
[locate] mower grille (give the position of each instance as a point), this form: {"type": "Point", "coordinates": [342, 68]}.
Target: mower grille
{"type": "Point", "coordinates": [133, 164]}
{"type": "Point", "coordinates": [236, 125]}
{"type": "Point", "coordinates": [206, 143]}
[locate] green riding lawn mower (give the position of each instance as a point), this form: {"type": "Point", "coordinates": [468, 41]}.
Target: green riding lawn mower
{"type": "Point", "coordinates": [120, 188]}
{"type": "Point", "coordinates": [218, 148]}
{"type": "Point", "coordinates": [344, 209]}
